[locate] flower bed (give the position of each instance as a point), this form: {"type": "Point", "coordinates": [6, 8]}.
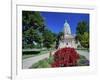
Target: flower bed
{"type": "Point", "coordinates": [65, 57]}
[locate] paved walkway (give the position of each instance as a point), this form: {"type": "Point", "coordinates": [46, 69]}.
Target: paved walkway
{"type": "Point", "coordinates": [84, 53]}
{"type": "Point", "coordinates": [29, 61]}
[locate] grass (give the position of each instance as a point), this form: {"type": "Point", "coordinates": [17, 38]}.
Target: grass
{"type": "Point", "coordinates": [85, 49]}
{"type": "Point", "coordinates": [28, 54]}
{"type": "Point", "coordinates": [83, 61]}
{"type": "Point", "coordinates": [41, 64]}
{"type": "Point", "coordinates": [45, 63]}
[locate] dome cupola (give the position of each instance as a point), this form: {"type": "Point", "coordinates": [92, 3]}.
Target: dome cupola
{"type": "Point", "coordinates": [67, 29]}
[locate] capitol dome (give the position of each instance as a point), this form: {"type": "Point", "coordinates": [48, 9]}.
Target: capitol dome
{"type": "Point", "coordinates": [67, 29]}
{"type": "Point", "coordinates": [68, 39]}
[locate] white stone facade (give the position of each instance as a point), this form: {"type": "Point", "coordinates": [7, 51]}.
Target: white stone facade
{"type": "Point", "coordinates": [68, 40]}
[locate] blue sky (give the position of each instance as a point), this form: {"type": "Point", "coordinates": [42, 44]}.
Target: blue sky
{"type": "Point", "coordinates": [55, 21]}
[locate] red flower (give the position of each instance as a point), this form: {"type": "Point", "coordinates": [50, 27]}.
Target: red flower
{"type": "Point", "coordinates": [65, 57]}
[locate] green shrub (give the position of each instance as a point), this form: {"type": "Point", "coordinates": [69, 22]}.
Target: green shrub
{"type": "Point", "coordinates": [31, 52]}
{"type": "Point", "coordinates": [83, 61]}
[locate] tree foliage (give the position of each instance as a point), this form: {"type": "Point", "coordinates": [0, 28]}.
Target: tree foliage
{"type": "Point", "coordinates": [85, 40]}
{"type": "Point", "coordinates": [35, 30]}
{"type": "Point", "coordinates": [49, 38]}
{"type": "Point", "coordinates": [82, 33]}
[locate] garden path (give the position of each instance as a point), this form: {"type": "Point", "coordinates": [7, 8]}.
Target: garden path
{"type": "Point", "coordinates": [26, 63]}
{"type": "Point", "coordinates": [83, 53]}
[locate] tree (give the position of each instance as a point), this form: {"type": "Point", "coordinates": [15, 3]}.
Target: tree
{"type": "Point", "coordinates": [31, 35]}
{"type": "Point", "coordinates": [81, 28]}
{"type": "Point", "coordinates": [32, 28]}
{"type": "Point", "coordinates": [85, 40]}
{"type": "Point", "coordinates": [82, 34]}
{"type": "Point", "coordinates": [49, 38]}
{"type": "Point", "coordinates": [60, 34]}
{"type": "Point", "coordinates": [32, 19]}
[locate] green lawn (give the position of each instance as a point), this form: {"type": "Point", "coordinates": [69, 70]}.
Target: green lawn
{"type": "Point", "coordinates": [83, 61]}
{"type": "Point", "coordinates": [29, 54]}
{"type": "Point", "coordinates": [45, 63]}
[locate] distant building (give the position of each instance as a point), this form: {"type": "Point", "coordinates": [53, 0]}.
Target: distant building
{"type": "Point", "coordinates": [67, 40]}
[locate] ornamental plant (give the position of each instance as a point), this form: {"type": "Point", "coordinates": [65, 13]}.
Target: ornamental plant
{"type": "Point", "coordinates": [65, 57]}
